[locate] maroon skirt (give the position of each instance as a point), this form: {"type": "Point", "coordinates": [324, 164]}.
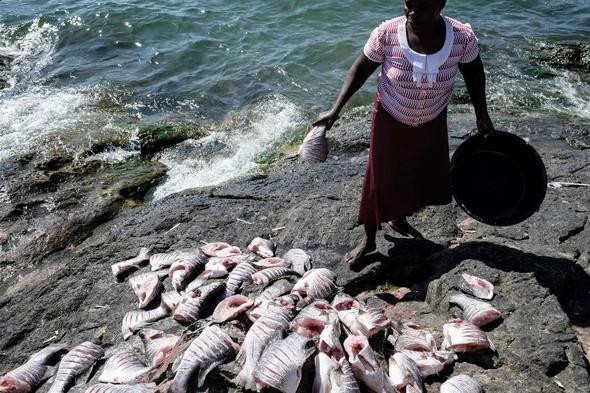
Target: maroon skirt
{"type": "Point", "coordinates": [408, 168]}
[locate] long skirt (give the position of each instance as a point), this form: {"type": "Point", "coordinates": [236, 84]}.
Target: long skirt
{"type": "Point", "coordinates": [408, 168]}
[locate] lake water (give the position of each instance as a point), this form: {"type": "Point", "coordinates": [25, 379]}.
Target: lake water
{"type": "Point", "coordinates": [253, 73]}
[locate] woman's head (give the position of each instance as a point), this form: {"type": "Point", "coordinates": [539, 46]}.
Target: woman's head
{"type": "Point", "coordinates": [423, 13]}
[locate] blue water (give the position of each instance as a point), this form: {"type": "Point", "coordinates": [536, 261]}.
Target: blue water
{"type": "Point", "coordinates": [252, 72]}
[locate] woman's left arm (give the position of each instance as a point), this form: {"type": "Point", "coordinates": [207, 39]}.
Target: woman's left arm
{"type": "Point", "coordinates": [475, 81]}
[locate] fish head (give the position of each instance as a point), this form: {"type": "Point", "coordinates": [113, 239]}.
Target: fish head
{"type": "Point", "coordinates": [231, 307]}
{"type": "Point", "coordinates": [148, 291]}
{"type": "Point", "coordinates": [308, 327]}
{"type": "Point", "coordinates": [329, 342]}
{"type": "Point", "coordinates": [9, 384]}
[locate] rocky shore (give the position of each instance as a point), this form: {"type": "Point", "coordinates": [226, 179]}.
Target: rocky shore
{"type": "Point", "coordinates": [63, 224]}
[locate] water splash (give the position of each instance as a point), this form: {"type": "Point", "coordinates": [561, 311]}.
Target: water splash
{"type": "Point", "coordinates": [31, 51]}
{"type": "Point", "coordinates": [228, 153]}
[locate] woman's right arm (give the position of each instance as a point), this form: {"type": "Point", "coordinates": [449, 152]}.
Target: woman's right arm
{"type": "Point", "coordinates": [359, 72]}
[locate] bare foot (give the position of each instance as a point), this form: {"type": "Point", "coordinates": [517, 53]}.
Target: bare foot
{"type": "Point", "coordinates": [401, 226]}
{"type": "Point", "coordinates": [356, 254]}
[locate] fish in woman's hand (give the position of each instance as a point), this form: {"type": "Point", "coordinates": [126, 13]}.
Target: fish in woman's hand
{"type": "Point", "coordinates": [211, 348]}
{"type": "Point", "coordinates": [314, 148]}
{"type": "Point", "coordinates": [25, 377]}
{"type": "Point", "coordinates": [75, 362]}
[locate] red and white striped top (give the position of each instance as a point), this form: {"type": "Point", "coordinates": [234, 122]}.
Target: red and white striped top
{"type": "Point", "coordinates": [414, 88]}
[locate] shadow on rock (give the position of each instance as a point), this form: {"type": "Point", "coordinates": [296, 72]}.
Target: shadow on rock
{"type": "Point", "coordinates": [562, 277]}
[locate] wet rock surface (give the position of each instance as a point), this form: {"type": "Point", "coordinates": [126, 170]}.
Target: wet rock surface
{"type": "Point", "coordinates": [540, 267]}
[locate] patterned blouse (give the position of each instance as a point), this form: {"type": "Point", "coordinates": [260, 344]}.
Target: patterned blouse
{"type": "Point", "coordinates": [412, 87]}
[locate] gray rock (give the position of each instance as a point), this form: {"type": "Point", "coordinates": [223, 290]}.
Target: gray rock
{"type": "Point", "coordinates": [540, 266]}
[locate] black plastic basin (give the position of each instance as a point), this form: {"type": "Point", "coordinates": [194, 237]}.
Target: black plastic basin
{"type": "Point", "coordinates": [499, 180]}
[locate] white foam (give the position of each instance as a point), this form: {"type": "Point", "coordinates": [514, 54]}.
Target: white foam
{"type": "Point", "coordinates": [35, 113]}
{"type": "Point", "coordinates": [32, 52]}
{"type": "Point", "coordinates": [238, 149]}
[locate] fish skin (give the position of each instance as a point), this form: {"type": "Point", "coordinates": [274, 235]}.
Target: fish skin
{"type": "Point", "coordinates": [313, 318]}
{"type": "Point", "coordinates": [314, 148]}
{"type": "Point", "coordinates": [357, 317]}
{"type": "Point", "coordinates": [146, 286]}
{"type": "Point", "coordinates": [463, 336]}
{"type": "Point", "coordinates": [125, 368]}
{"type": "Point", "coordinates": [271, 262]}
{"type": "Point", "coordinates": [334, 373]}
{"type": "Point", "coordinates": [25, 377]}
{"type": "Point", "coordinates": [263, 307]}
{"type": "Point", "coordinates": [157, 345]}
{"type": "Point", "coordinates": [298, 259]}
{"type": "Point", "coordinates": [241, 274]}
{"type": "Point", "coordinates": [230, 251]}
{"type": "Point", "coordinates": [186, 265]}
{"type": "Point", "coordinates": [274, 290]}
{"type": "Point", "coordinates": [136, 319]}
{"type": "Point", "coordinates": [210, 249]}
{"type": "Point", "coordinates": [211, 348]}
{"type": "Point", "coordinates": [280, 364]}
{"type": "Point", "coordinates": [404, 372]}
{"type": "Point", "coordinates": [372, 321]}
{"type": "Point", "coordinates": [75, 362]}
{"type": "Point", "coordinates": [364, 364]}
{"type": "Point", "coordinates": [332, 376]}
{"type": "Point", "coordinates": [461, 384]}
{"type": "Point", "coordinates": [431, 363]}
{"type": "Point", "coordinates": [162, 260]}
{"type": "Point", "coordinates": [217, 267]}
{"type": "Point", "coordinates": [111, 388]}
{"type": "Point", "coordinates": [229, 308]}
{"type": "Point", "coordinates": [170, 300]}
{"type": "Point", "coordinates": [262, 247]}
{"type": "Point", "coordinates": [315, 284]}
{"type": "Point", "coordinates": [413, 337]}
{"type": "Point", "coordinates": [263, 331]}
{"type": "Point", "coordinates": [271, 274]}
{"type": "Point", "coordinates": [120, 268]}
{"type": "Point", "coordinates": [190, 307]}
{"type": "Point", "coordinates": [476, 311]}
{"type": "Point", "coordinates": [476, 286]}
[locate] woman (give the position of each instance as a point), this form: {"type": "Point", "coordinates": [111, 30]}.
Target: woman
{"type": "Point", "coordinates": [420, 55]}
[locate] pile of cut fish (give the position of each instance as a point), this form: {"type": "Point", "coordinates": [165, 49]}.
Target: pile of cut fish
{"type": "Point", "coordinates": [290, 314]}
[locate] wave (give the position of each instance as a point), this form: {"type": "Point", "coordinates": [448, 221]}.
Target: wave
{"type": "Point", "coordinates": [232, 150]}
